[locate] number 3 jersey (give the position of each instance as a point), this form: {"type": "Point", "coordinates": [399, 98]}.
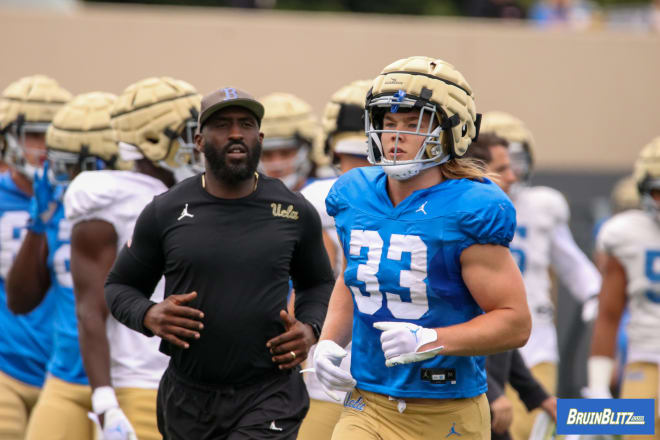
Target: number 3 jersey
{"type": "Point", "coordinates": [403, 264]}
{"type": "Point", "coordinates": [633, 238]}
{"type": "Point", "coordinates": [25, 340]}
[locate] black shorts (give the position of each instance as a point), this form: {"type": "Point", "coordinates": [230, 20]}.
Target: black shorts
{"type": "Point", "coordinates": [270, 409]}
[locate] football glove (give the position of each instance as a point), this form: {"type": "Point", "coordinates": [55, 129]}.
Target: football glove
{"type": "Point", "coordinates": [401, 340]}
{"type": "Point", "coordinates": [327, 358]}
{"type": "Point", "coordinates": [43, 203]}
{"type": "Point", "coordinates": [116, 425]}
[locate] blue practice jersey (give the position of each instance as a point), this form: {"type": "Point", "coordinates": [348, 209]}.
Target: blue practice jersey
{"type": "Point", "coordinates": [403, 265]}
{"type": "Point", "coordinates": [66, 361]}
{"type": "Point", "coordinates": [25, 340]}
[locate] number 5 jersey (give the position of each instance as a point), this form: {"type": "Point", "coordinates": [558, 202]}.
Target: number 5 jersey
{"type": "Point", "coordinates": [403, 264]}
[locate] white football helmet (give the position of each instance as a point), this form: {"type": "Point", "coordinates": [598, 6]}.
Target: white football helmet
{"type": "Point", "coordinates": [289, 124]}
{"type": "Point", "coordinates": [520, 139]}
{"type": "Point", "coordinates": [27, 107]}
{"type": "Point", "coordinates": [80, 137]}
{"type": "Point", "coordinates": [343, 124]}
{"type": "Point", "coordinates": [156, 119]}
{"type": "Point", "coordinates": [647, 176]}
{"type": "Point", "coordinates": [440, 93]}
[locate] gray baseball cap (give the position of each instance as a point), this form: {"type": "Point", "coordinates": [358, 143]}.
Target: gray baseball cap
{"type": "Point", "coordinates": [227, 97]}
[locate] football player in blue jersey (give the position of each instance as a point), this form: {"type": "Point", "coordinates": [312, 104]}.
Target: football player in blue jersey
{"type": "Point", "coordinates": [26, 108]}
{"type": "Point", "coordinates": [79, 139]}
{"type": "Point", "coordinates": [429, 285]}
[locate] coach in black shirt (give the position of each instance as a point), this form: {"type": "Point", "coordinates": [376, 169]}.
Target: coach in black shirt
{"type": "Point", "coordinates": [227, 241]}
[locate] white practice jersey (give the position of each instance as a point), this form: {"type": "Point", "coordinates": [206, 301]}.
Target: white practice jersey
{"type": "Point", "coordinates": [543, 240]}
{"type": "Point", "coordinates": [633, 238]}
{"type": "Point", "coordinates": [315, 193]}
{"type": "Point", "coordinates": [118, 198]}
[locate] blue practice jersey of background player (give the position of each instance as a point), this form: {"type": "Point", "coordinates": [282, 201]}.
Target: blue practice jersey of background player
{"type": "Point", "coordinates": [66, 361]}
{"type": "Point", "coordinates": [25, 340]}
{"type": "Point", "coordinates": [403, 265]}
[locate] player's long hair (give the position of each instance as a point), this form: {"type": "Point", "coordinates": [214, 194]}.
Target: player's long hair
{"type": "Point", "coordinates": [465, 168]}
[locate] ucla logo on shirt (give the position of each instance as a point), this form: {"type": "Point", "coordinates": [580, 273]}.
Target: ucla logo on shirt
{"type": "Point", "coordinates": [357, 404]}
{"type": "Point", "coordinates": [284, 213]}
{"type": "Point", "coordinates": [605, 416]}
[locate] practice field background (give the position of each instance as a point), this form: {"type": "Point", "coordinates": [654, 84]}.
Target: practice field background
{"type": "Point", "coordinates": [591, 98]}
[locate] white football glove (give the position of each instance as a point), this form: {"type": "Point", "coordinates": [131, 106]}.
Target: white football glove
{"type": "Point", "coordinates": [327, 358]}
{"type": "Point", "coordinates": [401, 340]}
{"type": "Point", "coordinates": [115, 423]}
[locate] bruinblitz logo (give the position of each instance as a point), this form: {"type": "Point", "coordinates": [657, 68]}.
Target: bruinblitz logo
{"type": "Point", "coordinates": [604, 417]}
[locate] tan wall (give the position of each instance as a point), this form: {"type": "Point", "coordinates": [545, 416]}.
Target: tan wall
{"type": "Point", "coordinates": [591, 99]}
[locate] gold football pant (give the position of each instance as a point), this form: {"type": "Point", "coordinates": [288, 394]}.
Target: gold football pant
{"type": "Point", "coordinates": [139, 405]}
{"type": "Point", "coordinates": [546, 374]}
{"type": "Point", "coordinates": [370, 416]}
{"type": "Point", "coordinates": [16, 402]}
{"type": "Point", "coordinates": [320, 420]}
{"type": "Point", "coordinates": [640, 381]}
{"type": "Point", "coordinates": [61, 412]}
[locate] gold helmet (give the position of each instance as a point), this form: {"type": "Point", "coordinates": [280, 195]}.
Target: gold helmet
{"type": "Point", "coordinates": [156, 119]}
{"type": "Point", "coordinates": [521, 142]}
{"type": "Point", "coordinates": [290, 124]}
{"type": "Point", "coordinates": [625, 194]}
{"type": "Point", "coordinates": [647, 176]}
{"type": "Point", "coordinates": [80, 137]}
{"type": "Point", "coordinates": [343, 120]}
{"type": "Point", "coordinates": [435, 88]}
{"type": "Point", "coordinates": [27, 106]}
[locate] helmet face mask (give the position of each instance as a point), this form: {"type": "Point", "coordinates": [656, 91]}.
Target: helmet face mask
{"type": "Point", "coordinates": [187, 160]}
{"type": "Point", "coordinates": [521, 162]}
{"type": "Point", "coordinates": [19, 152]}
{"type": "Point", "coordinates": [65, 165]}
{"type": "Point", "coordinates": [293, 167]}
{"type": "Point", "coordinates": [431, 151]}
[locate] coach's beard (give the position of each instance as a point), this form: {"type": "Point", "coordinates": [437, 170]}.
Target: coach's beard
{"type": "Point", "coordinates": [228, 171]}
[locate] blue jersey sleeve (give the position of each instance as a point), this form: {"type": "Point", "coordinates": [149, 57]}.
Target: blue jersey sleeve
{"type": "Point", "coordinates": [491, 221]}
{"type": "Point", "coordinates": [334, 202]}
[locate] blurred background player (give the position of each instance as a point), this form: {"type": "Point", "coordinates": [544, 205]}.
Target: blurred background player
{"type": "Point", "coordinates": [79, 139]}
{"type": "Point", "coordinates": [345, 142]}
{"type": "Point", "coordinates": [27, 107]}
{"type": "Point", "coordinates": [630, 242]}
{"type": "Point", "coordinates": [507, 367]}
{"type": "Point", "coordinates": [543, 240]}
{"type": "Point", "coordinates": [291, 149]}
{"type": "Point", "coordinates": [425, 236]}
{"type": "Point", "coordinates": [153, 121]}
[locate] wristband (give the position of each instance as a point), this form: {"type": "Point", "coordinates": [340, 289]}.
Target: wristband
{"type": "Point", "coordinates": [599, 372]}
{"type": "Point", "coordinates": [104, 398]}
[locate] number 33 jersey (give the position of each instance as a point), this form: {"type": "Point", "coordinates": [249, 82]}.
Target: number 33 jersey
{"type": "Point", "coordinates": [403, 264]}
{"type": "Point", "coordinates": [633, 238]}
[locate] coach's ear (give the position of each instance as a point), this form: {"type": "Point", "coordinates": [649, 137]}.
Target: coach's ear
{"type": "Point", "coordinates": [199, 142]}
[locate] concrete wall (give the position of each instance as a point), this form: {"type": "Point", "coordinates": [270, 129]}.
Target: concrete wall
{"type": "Point", "coordinates": [591, 99]}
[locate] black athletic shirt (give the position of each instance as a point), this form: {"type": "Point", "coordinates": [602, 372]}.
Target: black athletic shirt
{"type": "Point", "coordinates": [238, 255]}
